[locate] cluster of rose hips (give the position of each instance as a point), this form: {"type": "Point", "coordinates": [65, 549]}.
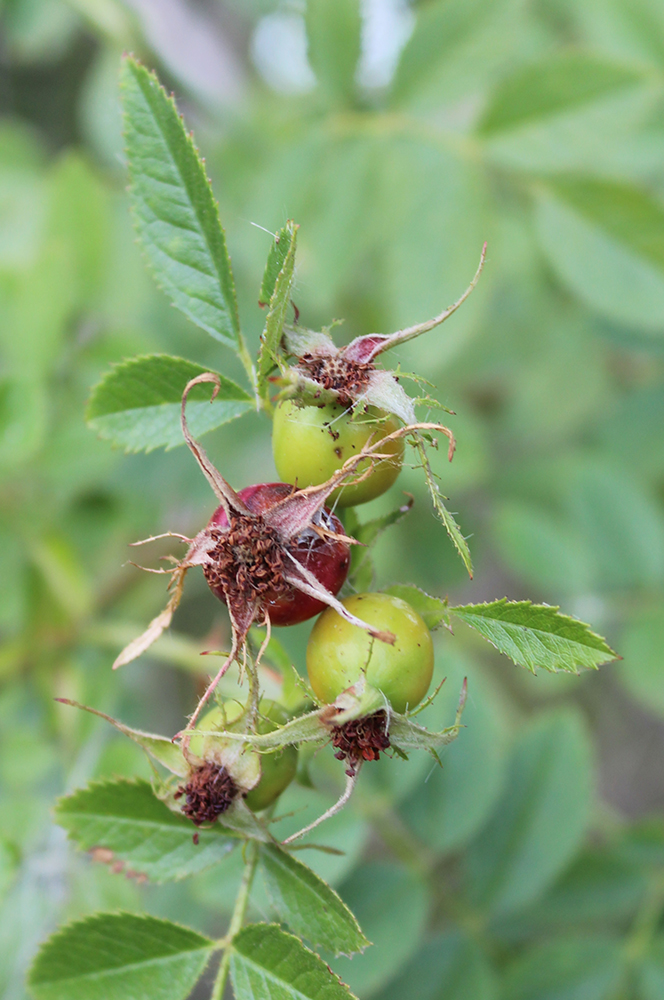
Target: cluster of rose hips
{"type": "Point", "coordinates": [276, 554]}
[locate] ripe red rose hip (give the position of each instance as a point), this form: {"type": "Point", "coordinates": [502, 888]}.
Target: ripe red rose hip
{"type": "Point", "coordinates": [250, 555]}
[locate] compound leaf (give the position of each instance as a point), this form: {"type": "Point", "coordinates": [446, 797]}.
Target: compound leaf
{"type": "Point", "coordinates": [137, 403]}
{"type": "Point", "coordinates": [269, 964]}
{"type": "Point", "coordinates": [113, 956]}
{"type": "Point", "coordinates": [536, 635]}
{"type": "Point", "coordinates": [176, 214]}
{"type": "Point", "coordinates": [123, 822]}
{"type": "Point", "coordinates": [308, 905]}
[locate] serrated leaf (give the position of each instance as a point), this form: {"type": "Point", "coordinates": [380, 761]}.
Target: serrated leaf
{"type": "Point", "coordinates": [556, 84]}
{"type": "Point", "coordinates": [176, 214]}
{"type": "Point", "coordinates": [537, 635]}
{"type": "Point", "coordinates": [452, 528]}
{"type": "Point", "coordinates": [279, 302]}
{"type": "Point", "coordinates": [133, 827]}
{"type": "Point", "coordinates": [115, 956]}
{"type": "Point", "coordinates": [137, 403]}
{"type": "Point", "coordinates": [159, 747]}
{"type": "Point", "coordinates": [308, 905]}
{"type": "Point", "coordinates": [275, 262]}
{"type": "Point", "coordinates": [269, 964]}
{"type": "Point", "coordinates": [432, 610]}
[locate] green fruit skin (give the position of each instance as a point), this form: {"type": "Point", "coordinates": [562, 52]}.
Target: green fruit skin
{"type": "Point", "coordinates": [277, 769]}
{"type": "Point", "coordinates": [307, 454]}
{"type": "Point", "coordinates": [339, 653]}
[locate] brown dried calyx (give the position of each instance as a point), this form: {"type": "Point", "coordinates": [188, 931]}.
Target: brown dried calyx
{"type": "Point", "coordinates": [360, 740]}
{"type": "Point", "coordinates": [209, 793]}
{"type": "Point", "coordinates": [248, 557]}
{"type": "Point", "coordinates": [343, 376]}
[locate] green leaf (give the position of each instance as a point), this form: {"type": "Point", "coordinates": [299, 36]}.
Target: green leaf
{"type": "Point", "coordinates": [605, 240]}
{"type": "Point", "coordinates": [600, 888]}
{"type": "Point", "coordinates": [651, 977]}
{"type": "Point", "coordinates": [451, 803]}
{"type": "Point", "coordinates": [286, 241]}
{"type": "Point", "coordinates": [176, 214]}
{"type": "Point", "coordinates": [585, 968]}
{"type": "Point", "coordinates": [137, 403]}
{"type": "Point", "coordinates": [308, 905]}
{"type": "Point", "coordinates": [269, 964]}
{"type": "Point", "coordinates": [641, 671]}
{"type": "Point", "coordinates": [276, 259]}
{"type": "Point", "coordinates": [449, 967]}
{"type": "Point", "coordinates": [114, 956]}
{"type": "Point", "coordinates": [333, 35]}
{"type": "Point", "coordinates": [557, 84]}
{"type": "Point", "coordinates": [539, 822]}
{"type": "Point", "coordinates": [536, 635]}
{"type": "Point", "coordinates": [452, 528]}
{"type": "Point", "coordinates": [432, 610]}
{"type": "Point", "coordinates": [391, 905]}
{"type": "Point", "coordinates": [127, 821]}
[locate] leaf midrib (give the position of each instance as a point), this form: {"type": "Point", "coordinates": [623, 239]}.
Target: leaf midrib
{"type": "Point", "coordinates": [92, 976]}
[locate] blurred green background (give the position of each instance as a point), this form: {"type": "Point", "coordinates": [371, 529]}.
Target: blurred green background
{"type": "Point", "coordinates": [400, 136]}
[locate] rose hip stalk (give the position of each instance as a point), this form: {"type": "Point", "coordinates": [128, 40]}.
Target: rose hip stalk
{"type": "Point", "coordinates": [269, 552]}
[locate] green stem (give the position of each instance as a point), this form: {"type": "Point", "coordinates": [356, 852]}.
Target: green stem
{"type": "Point", "coordinates": [646, 923]}
{"type": "Point", "coordinates": [245, 358]}
{"type": "Point", "coordinates": [237, 919]}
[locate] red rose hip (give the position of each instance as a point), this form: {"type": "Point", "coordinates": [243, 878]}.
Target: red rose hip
{"type": "Point", "coordinates": [328, 559]}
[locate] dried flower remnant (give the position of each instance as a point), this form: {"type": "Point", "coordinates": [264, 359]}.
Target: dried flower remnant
{"type": "Point", "coordinates": [208, 793]}
{"type": "Point", "coordinates": [348, 375]}
{"type": "Point", "coordinates": [360, 740]}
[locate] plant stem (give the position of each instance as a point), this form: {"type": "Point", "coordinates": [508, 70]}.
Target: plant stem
{"type": "Point", "coordinates": [237, 919]}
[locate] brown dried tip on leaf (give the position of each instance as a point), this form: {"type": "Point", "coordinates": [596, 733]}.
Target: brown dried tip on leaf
{"type": "Point", "coordinates": [209, 793]}
{"type": "Point", "coordinates": [360, 740]}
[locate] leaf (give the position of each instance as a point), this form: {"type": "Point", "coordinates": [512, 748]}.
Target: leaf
{"type": "Point", "coordinates": [450, 966]}
{"type": "Point", "coordinates": [605, 240]}
{"type": "Point", "coordinates": [177, 216]}
{"type": "Point", "coordinates": [279, 302]}
{"type": "Point", "coordinates": [556, 84]}
{"type": "Point", "coordinates": [269, 964]}
{"type": "Point", "coordinates": [125, 819]}
{"type": "Point", "coordinates": [391, 905]}
{"type": "Point", "coordinates": [651, 978]}
{"type": "Point", "coordinates": [539, 822]}
{"type": "Point", "coordinates": [333, 35]}
{"type": "Point", "coordinates": [275, 261]}
{"type": "Point", "coordinates": [308, 905]}
{"type": "Point", "coordinates": [452, 528]}
{"type": "Point", "coordinates": [432, 610]}
{"type": "Point", "coordinates": [599, 888]}
{"type": "Point", "coordinates": [159, 747]}
{"type": "Point", "coordinates": [451, 803]}
{"type": "Point", "coordinates": [536, 635]}
{"type": "Point", "coordinates": [114, 956]}
{"type": "Point", "coordinates": [641, 671]}
{"type": "Point", "coordinates": [585, 968]}
{"type": "Point", "coordinates": [137, 403]}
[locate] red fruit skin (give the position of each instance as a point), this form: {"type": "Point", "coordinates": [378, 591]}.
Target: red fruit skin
{"type": "Point", "coordinates": [329, 561]}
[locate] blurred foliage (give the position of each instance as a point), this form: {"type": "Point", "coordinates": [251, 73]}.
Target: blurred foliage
{"type": "Point", "coordinates": [531, 867]}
